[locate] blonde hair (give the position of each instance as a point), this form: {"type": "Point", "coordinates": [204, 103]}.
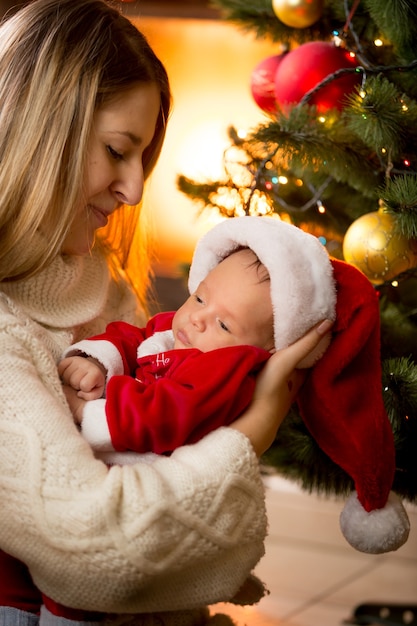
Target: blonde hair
{"type": "Point", "coordinates": [61, 60]}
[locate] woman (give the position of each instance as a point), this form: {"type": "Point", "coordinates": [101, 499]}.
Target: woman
{"type": "Point", "coordinates": [84, 104]}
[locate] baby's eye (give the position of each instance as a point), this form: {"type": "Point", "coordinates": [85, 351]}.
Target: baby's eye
{"type": "Point", "coordinates": [114, 153]}
{"type": "Point", "coordinates": [223, 326]}
{"type": "Point", "coordinates": [198, 299]}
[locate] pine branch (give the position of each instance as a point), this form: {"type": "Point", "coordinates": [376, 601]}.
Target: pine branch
{"type": "Point", "coordinates": [398, 322]}
{"type": "Point", "coordinates": [258, 17]}
{"type": "Point", "coordinates": [400, 198]}
{"type": "Point", "coordinates": [397, 19]}
{"type": "Point", "coordinates": [400, 384]}
{"type": "Point", "coordinates": [383, 118]}
{"type": "Point", "coordinates": [199, 192]}
{"type": "Point", "coordinates": [300, 143]}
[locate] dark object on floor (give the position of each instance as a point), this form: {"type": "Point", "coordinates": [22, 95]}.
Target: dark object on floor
{"type": "Point", "coordinates": [386, 614]}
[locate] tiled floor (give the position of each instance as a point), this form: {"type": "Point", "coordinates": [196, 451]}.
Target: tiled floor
{"type": "Point", "coordinates": [314, 577]}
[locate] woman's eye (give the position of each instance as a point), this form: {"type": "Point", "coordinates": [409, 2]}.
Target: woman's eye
{"type": "Point", "coordinates": [114, 154]}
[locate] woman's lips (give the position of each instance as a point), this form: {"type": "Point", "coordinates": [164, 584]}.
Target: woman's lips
{"type": "Point", "coordinates": [101, 215]}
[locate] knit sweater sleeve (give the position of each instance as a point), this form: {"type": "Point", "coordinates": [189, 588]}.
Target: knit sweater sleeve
{"type": "Point", "coordinates": [178, 533]}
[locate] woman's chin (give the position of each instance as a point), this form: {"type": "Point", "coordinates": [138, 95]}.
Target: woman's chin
{"type": "Point", "coordinates": [78, 248]}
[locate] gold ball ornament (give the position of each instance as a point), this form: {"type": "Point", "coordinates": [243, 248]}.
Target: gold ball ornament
{"type": "Point", "coordinates": [371, 245]}
{"type": "Point", "coordinates": [298, 13]}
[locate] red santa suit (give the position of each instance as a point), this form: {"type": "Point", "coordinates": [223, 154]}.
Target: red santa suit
{"type": "Point", "coordinates": [158, 398]}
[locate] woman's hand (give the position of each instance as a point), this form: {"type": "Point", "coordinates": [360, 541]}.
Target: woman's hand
{"type": "Point", "coordinates": [76, 403]}
{"type": "Point", "coordinates": [276, 389]}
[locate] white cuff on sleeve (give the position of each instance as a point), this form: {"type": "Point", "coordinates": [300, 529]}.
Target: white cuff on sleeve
{"type": "Point", "coordinates": [102, 350]}
{"type": "Point", "coordinates": [94, 426]}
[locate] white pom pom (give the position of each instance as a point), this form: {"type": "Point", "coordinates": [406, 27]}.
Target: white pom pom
{"type": "Point", "coordinates": [378, 531]}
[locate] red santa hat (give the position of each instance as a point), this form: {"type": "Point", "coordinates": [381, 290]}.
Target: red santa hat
{"type": "Point", "coordinates": [341, 401]}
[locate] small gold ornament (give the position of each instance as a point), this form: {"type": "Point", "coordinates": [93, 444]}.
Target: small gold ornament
{"type": "Point", "coordinates": [298, 13]}
{"type": "Point", "coordinates": [371, 245]}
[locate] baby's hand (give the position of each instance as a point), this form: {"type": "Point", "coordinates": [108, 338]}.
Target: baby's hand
{"type": "Point", "coordinates": [84, 374]}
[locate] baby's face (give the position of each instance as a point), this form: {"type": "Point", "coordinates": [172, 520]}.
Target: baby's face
{"type": "Point", "coordinates": [232, 306]}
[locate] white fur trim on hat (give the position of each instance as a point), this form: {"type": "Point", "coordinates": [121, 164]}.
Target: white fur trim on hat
{"type": "Point", "coordinates": [303, 290]}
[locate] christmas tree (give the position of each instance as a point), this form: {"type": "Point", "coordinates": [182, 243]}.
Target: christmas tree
{"type": "Point", "coordinates": [336, 155]}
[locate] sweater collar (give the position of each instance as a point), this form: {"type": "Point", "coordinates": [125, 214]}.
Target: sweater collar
{"type": "Point", "coordinates": [69, 292]}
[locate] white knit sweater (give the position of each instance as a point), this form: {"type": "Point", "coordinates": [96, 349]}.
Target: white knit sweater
{"type": "Point", "coordinates": [178, 533]}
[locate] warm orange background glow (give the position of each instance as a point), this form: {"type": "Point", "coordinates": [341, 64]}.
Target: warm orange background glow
{"type": "Point", "coordinates": [210, 64]}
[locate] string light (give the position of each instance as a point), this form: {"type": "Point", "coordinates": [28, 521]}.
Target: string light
{"type": "Point", "coordinates": [337, 40]}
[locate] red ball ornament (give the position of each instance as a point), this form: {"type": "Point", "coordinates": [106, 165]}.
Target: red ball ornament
{"type": "Point", "coordinates": [306, 66]}
{"type": "Point", "coordinates": [262, 83]}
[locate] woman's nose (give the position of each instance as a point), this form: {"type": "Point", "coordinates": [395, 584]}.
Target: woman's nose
{"type": "Point", "coordinates": [129, 188]}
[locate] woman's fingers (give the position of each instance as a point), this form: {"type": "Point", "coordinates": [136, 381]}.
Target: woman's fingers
{"type": "Point", "coordinates": [291, 356]}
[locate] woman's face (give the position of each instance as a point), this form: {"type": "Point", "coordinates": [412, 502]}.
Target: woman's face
{"type": "Point", "coordinates": [122, 130]}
